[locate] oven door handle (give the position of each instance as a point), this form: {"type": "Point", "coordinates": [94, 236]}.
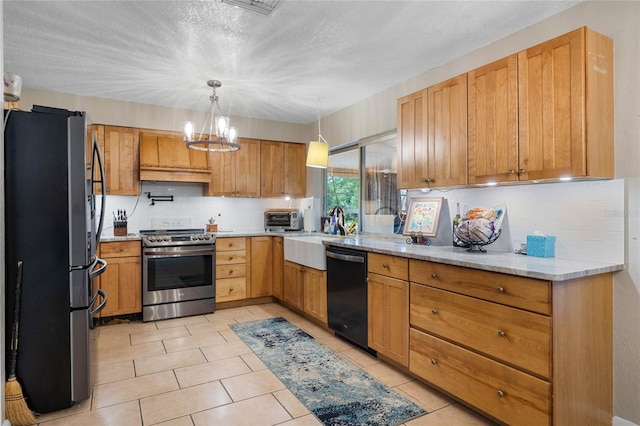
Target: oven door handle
{"type": "Point", "coordinates": [178, 253]}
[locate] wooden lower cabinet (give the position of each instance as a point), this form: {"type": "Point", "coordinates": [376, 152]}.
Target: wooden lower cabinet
{"type": "Point", "coordinates": [278, 267]}
{"type": "Point", "coordinates": [315, 293]}
{"type": "Point", "coordinates": [305, 289]}
{"type": "Point", "coordinates": [388, 306]}
{"type": "Point", "coordinates": [293, 285]}
{"type": "Point", "coordinates": [503, 392]}
{"type": "Point", "coordinates": [261, 283]}
{"type": "Point", "coordinates": [122, 279]}
{"type": "Point", "coordinates": [502, 343]}
{"type": "Point", "coordinates": [231, 269]}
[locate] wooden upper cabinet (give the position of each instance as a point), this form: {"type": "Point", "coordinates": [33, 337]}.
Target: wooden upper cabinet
{"type": "Point", "coordinates": [493, 122]}
{"type": "Point", "coordinates": [236, 173]}
{"type": "Point", "coordinates": [272, 169]}
{"type": "Point", "coordinates": [165, 157]}
{"type": "Point", "coordinates": [413, 166]}
{"type": "Point", "coordinates": [283, 170]}
{"type": "Point", "coordinates": [447, 132]}
{"type": "Point", "coordinates": [120, 154]}
{"type": "Point", "coordinates": [295, 170]}
{"type": "Point", "coordinates": [121, 159]}
{"type": "Point", "coordinates": [223, 174]}
{"type": "Point", "coordinates": [566, 107]}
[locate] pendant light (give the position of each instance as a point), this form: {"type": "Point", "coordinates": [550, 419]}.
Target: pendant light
{"type": "Point", "coordinates": [318, 155]}
{"type": "Point", "coordinates": [220, 136]}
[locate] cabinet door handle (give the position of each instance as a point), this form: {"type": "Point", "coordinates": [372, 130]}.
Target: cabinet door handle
{"type": "Point", "coordinates": [434, 361]}
{"type": "Point", "coordinates": [500, 394]}
{"type": "Point", "coordinates": [500, 290]}
{"type": "Point", "coordinates": [434, 311]}
{"type": "Point", "coordinates": [138, 262]}
{"type": "Point", "coordinates": [385, 266]}
{"type": "Point", "coordinates": [511, 172]}
{"type": "Point", "coordinates": [520, 172]}
{"type": "Point", "coordinates": [434, 275]}
{"type": "Point", "coordinates": [501, 333]}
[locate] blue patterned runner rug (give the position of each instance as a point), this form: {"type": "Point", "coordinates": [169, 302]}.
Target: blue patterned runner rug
{"type": "Point", "coordinates": [335, 390]}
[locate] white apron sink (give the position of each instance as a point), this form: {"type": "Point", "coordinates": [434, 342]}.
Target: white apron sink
{"type": "Point", "coordinates": [308, 251]}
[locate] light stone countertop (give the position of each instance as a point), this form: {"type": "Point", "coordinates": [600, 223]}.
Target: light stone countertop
{"type": "Point", "coordinates": [112, 238]}
{"type": "Point", "coordinates": [550, 268]}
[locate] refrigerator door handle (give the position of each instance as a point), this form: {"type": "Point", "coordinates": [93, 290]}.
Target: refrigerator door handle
{"type": "Point", "coordinates": [103, 185]}
{"type": "Point", "coordinates": [101, 306]}
{"type": "Point", "coordinates": [93, 273]}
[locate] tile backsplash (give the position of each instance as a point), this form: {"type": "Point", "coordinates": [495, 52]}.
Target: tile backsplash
{"type": "Point", "coordinates": [587, 218]}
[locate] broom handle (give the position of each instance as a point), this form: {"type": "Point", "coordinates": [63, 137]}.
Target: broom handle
{"type": "Point", "coordinates": [16, 318]}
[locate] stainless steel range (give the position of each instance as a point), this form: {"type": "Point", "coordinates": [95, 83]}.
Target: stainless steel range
{"type": "Point", "coordinates": [178, 273]}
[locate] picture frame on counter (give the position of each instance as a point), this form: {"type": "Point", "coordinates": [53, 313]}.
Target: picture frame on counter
{"type": "Point", "coordinates": [423, 216]}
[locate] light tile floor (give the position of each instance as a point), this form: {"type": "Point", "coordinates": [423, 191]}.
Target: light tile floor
{"type": "Point", "coordinates": [195, 371]}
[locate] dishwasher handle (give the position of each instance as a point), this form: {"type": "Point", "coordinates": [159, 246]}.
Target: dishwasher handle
{"type": "Point", "coordinates": [345, 257]}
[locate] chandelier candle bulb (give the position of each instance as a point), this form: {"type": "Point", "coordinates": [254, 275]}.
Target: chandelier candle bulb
{"type": "Point", "coordinates": [189, 130]}
{"type": "Point", "coordinates": [225, 137]}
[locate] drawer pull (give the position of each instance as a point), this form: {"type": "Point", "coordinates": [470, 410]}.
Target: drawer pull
{"type": "Point", "coordinates": [501, 333]}
{"type": "Point", "coordinates": [500, 290]}
{"type": "Point", "coordinates": [230, 290]}
{"type": "Point", "coordinates": [121, 249]}
{"type": "Point", "coordinates": [385, 266]}
{"type": "Point", "coordinates": [433, 361]}
{"type": "Point", "coordinates": [500, 394]}
{"type": "Point", "coordinates": [434, 311]}
{"type": "Point", "coordinates": [434, 275]}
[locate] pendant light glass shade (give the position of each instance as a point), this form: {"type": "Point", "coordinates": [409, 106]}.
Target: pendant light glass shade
{"type": "Point", "coordinates": [318, 155]}
{"type": "Point", "coordinates": [220, 137]}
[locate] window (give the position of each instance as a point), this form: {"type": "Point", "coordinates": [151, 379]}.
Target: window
{"type": "Point", "coordinates": [343, 182]}
{"type": "Point", "coordinates": [361, 178]}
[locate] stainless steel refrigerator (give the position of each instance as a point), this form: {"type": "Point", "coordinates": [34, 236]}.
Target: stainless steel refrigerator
{"type": "Point", "coordinates": [51, 226]}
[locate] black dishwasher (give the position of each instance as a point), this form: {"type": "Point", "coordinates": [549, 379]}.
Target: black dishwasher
{"type": "Point", "coordinates": [347, 294]}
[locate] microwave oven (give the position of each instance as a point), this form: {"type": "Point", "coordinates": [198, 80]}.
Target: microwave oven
{"type": "Point", "coordinates": [283, 220]}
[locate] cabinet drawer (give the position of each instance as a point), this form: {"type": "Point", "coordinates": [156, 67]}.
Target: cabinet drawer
{"type": "Point", "coordinates": [229, 257]}
{"type": "Point", "coordinates": [507, 394]}
{"type": "Point", "coordinates": [225, 244]}
{"type": "Point", "coordinates": [231, 271]}
{"type": "Point", "coordinates": [231, 289]}
{"type": "Point", "coordinates": [390, 266]}
{"type": "Point", "coordinates": [521, 292]}
{"type": "Point", "coordinates": [120, 249]}
{"type": "Point", "coordinates": [518, 337]}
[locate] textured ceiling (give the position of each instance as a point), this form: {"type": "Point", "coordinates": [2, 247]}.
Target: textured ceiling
{"type": "Point", "coordinates": [284, 66]}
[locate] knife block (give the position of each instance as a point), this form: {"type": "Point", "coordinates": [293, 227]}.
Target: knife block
{"type": "Point", "coordinates": [120, 228]}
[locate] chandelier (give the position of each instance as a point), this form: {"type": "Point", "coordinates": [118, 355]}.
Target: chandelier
{"type": "Point", "coordinates": [216, 134]}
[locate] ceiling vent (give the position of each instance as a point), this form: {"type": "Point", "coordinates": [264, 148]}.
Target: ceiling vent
{"type": "Point", "coordinates": [261, 6]}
